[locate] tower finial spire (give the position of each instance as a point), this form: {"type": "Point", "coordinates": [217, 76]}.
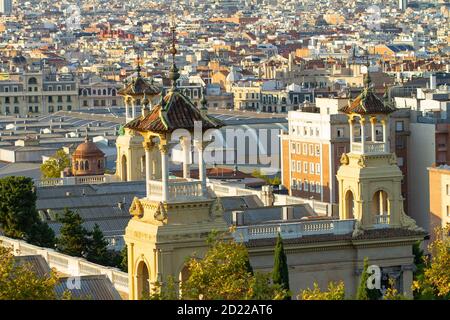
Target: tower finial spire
{"type": "Point", "coordinates": [367, 79]}
{"type": "Point", "coordinates": [138, 68]}
{"type": "Point", "coordinates": [174, 75]}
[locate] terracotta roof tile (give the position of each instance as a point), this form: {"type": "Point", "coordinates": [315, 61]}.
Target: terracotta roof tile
{"type": "Point", "coordinates": [178, 113]}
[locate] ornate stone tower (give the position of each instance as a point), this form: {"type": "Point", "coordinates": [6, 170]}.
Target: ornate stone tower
{"type": "Point", "coordinates": [369, 178]}
{"type": "Point", "coordinates": [172, 222]}
{"type": "Point", "coordinates": [131, 156]}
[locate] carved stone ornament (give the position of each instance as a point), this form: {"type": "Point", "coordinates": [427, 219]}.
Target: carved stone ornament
{"type": "Point", "coordinates": [344, 159]}
{"type": "Point", "coordinates": [362, 162]}
{"type": "Point", "coordinates": [216, 209]}
{"type": "Point", "coordinates": [160, 213]}
{"type": "Point", "coordinates": [409, 223]}
{"type": "Point", "coordinates": [358, 229]}
{"type": "Point", "coordinates": [136, 209]}
{"type": "Point", "coordinates": [393, 159]}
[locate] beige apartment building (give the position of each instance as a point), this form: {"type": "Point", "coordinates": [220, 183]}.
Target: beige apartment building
{"type": "Point", "coordinates": [100, 94]}
{"type": "Point", "coordinates": [246, 96]}
{"type": "Point", "coordinates": [439, 196]}
{"type": "Point", "coordinates": [37, 93]}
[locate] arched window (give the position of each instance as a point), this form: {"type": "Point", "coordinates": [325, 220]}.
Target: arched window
{"type": "Point", "coordinates": [86, 165]}
{"type": "Point", "coordinates": [124, 168]}
{"type": "Point", "coordinates": [349, 205]}
{"type": "Point", "coordinates": [104, 92]}
{"type": "Point", "coordinates": [76, 165]}
{"type": "Point", "coordinates": [32, 80]}
{"type": "Point", "coordinates": [143, 280]}
{"type": "Point", "coordinates": [380, 203]}
{"type": "Point", "coordinates": [81, 165]}
{"type": "Point", "coordinates": [113, 92]}
{"type": "Point", "coordinates": [143, 164]}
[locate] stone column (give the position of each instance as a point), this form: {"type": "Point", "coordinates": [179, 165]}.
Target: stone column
{"type": "Point", "coordinates": [132, 277]}
{"type": "Point", "coordinates": [148, 146]}
{"type": "Point", "coordinates": [407, 280]}
{"type": "Point", "coordinates": [127, 116]}
{"type": "Point", "coordinates": [385, 134]}
{"type": "Point", "coordinates": [164, 150]}
{"type": "Point", "coordinates": [201, 165]}
{"type": "Point", "coordinates": [362, 122]}
{"type": "Point", "coordinates": [350, 123]}
{"type": "Point", "coordinates": [373, 121]}
{"type": "Point", "coordinates": [186, 152]}
{"type": "Point", "coordinates": [133, 109]}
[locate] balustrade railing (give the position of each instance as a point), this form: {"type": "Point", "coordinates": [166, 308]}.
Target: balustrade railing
{"type": "Point", "coordinates": [178, 190]}
{"type": "Point", "coordinates": [383, 219]}
{"type": "Point", "coordinates": [369, 147]}
{"type": "Point", "coordinates": [67, 265]}
{"type": "Point", "coordinates": [76, 180]}
{"type": "Point", "coordinates": [291, 230]}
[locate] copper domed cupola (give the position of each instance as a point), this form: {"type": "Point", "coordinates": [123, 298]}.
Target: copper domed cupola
{"type": "Point", "coordinates": [88, 159]}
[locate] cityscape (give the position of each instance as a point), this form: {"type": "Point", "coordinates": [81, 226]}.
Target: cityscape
{"type": "Point", "coordinates": [225, 150]}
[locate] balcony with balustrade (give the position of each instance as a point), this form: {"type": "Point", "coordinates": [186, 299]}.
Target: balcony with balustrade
{"type": "Point", "coordinates": [179, 190]}
{"type": "Point", "coordinates": [369, 147]}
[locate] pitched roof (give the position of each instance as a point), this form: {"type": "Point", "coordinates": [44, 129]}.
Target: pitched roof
{"type": "Point", "coordinates": [139, 86]}
{"type": "Point", "coordinates": [367, 102]}
{"type": "Point", "coordinates": [177, 112]}
{"type": "Point", "coordinates": [36, 264]}
{"type": "Point", "coordinates": [96, 287]}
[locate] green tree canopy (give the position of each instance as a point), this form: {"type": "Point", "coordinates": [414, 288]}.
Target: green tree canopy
{"type": "Point", "coordinates": [97, 250]}
{"type": "Point", "coordinates": [124, 259]}
{"type": "Point", "coordinates": [363, 292]}
{"type": "Point", "coordinates": [52, 167]}
{"type": "Point", "coordinates": [19, 282]}
{"type": "Point", "coordinates": [280, 273]}
{"type": "Point", "coordinates": [336, 291]}
{"type": "Point", "coordinates": [18, 215]}
{"type": "Point", "coordinates": [224, 274]}
{"type": "Point", "coordinates": [74, 238]}
{"type": "Point", "coordinates": [434, 281]}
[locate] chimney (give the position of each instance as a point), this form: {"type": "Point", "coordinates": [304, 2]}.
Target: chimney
{"type": "Point", "coordinates": [267, 195]}
{"type": "Point", "coordinates": [238, 218]}
{"type": "Point", "coordinates": [288, 213]}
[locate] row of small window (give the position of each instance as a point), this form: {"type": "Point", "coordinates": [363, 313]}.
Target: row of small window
{"type": "Point", "coordinates": [249, 95]}
{"type": "Point", "coordinates": [100, 103]}
{"type": "Point", "coordinates": [314, 149]}
{"type": "Point", "coordinates": [36, 99]}
{"type": "Point", "coordinates": [306, 185]}
{"type": "Point", "coordinates": [311, 166]}
{"type": "Point", "coordinates": [35, 109]}
{"type": "Point", "coordinates": [99, 92]}
{"type": "Point", "coordinates": [35, 88]}
{"type": "Point", "coordinates": [305, 131]}
{"type": "Point", "coordinates": [84, 165]}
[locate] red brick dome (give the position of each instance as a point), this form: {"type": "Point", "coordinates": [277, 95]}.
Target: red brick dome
{"type": "Point", "coordinates": [88, 159]}
{"type": "Point", "coordinates": [88, 149]}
